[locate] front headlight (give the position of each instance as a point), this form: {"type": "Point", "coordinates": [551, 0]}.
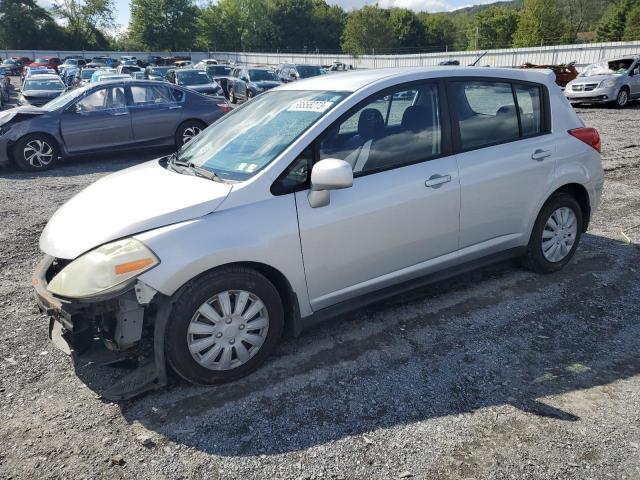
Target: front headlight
{"type": "Point", "coordinates": [105, 269]}
{"type": "Point", "coordinates": [606, 83]}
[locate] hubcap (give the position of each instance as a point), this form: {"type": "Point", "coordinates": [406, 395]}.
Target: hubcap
{"type": "Point", "coordinates": [227, 330]}
{"type": "Point", "coordinates": [38, 153]}
{"type": "Point", "coordinates": [189, 133]}
{"type": "Point", "coordinates": [559, 234]}
{"type": "Point", "coordinates": [622, 98]}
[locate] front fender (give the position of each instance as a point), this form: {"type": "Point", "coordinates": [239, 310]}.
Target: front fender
{"type": "Point", "coordinates": [263, 232]}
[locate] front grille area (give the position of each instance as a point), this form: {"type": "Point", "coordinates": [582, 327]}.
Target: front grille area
{"type": "Point", "coordinates": [584, 87]}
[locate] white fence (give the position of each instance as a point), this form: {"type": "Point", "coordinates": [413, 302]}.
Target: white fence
{"type": "Point", "coordinates": [582, 54]}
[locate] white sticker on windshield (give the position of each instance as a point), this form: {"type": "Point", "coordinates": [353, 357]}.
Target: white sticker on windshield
{"type": "Point", "coordinates": [310, 106]}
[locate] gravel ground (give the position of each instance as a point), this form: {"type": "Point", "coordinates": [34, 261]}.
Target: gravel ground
{"type": "Point", "coordinates": [498, 374]}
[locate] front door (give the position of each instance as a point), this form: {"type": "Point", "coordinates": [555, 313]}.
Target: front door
{"type": "Point", "coordinates": [103, 110]}
{"type": "Point", "coordinates": [403, 208]}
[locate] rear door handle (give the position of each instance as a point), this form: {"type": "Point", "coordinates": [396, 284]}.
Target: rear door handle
{"type": "Point", "coordinates": [540, 154]}
{"type": "Point", "coordinates": [175, 107]}
{"type": "Point", "coordinates": [435, 181]}
{"type": "Point", "coordinates": [117, 114]}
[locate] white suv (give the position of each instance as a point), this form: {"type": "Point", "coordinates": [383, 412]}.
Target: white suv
{"type": "Point", "coordinates": [313, 199]}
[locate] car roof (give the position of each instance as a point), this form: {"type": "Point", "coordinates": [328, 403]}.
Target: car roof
{"type": "Point", "coordinates": [355, 80]}
{"type": "Point", "coordinates": [48, 76]}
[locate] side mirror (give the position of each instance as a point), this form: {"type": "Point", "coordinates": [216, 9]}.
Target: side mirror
{"type": "Point", "coordinates": [326, 175]}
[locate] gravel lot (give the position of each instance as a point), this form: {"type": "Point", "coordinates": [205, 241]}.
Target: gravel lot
{"type": "Point", "coordinates": [499, 374]}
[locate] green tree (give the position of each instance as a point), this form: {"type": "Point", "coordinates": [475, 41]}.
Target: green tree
{"type": "Point", "coordinates": [83, 20]}
{"type": "Point", "coordinates": [328, 24]}
{"type": "Point", "coordinates": [540, 22]}
{"type": "Point", "coordinates": [368, 30]}
{"type": "Point", "coordinates": [439, 29]}
{"type": "Point", "coordinates": [292, 20]}
{"type": "Point", "coordinates": [632, 28]}
{"type": "Point", "coordinates": [237, 25]}
{"type": "Point", "coordinates": [493, 28]}
{"type": "Point", "coordinates": [163, 24]}
{"type": "Point", "coordinates": [25, 25]}
{"type": "Point", "coordinates": [613, 25]}
{"type": "Point", "coordinates": [407, 28]}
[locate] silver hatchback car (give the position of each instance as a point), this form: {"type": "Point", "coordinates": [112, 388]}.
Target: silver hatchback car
{"type": "Point", "coordinates": [311, 200]}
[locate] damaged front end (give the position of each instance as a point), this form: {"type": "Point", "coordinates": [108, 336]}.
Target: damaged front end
{"type": "Point", "coordinates": [116, 328]}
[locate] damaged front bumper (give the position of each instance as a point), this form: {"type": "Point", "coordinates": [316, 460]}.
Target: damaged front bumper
{"type": "Point", "coordinates": [118, 323]}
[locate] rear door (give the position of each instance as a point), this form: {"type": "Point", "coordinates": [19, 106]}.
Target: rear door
{"type": "Point", "coordinates": [155, 113]}
{"type": "Point", "coordinates": [103, 110]}
{"type": "Point", "coordinates": [506, 158]}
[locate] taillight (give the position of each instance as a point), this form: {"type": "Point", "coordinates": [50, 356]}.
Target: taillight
{"type": "Point", "coordinates": [588, 135]}
{"type": "Point", "coordinates": [224, 107]}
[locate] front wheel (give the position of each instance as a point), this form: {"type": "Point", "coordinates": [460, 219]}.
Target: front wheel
{"type": "Point", "coordinates": [232, 97]}
{"type": "Point", "coordinates": [35, 152]}
{"type": "Point", "coordinates": [555, 235]}
{"type": "Point", "coordinates": [223, 326]}
{"type": "Point", "coordinates": [623, 98]}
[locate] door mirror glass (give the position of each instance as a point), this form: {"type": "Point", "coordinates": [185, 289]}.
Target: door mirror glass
{"type": "Point", "coordinates": [329, 174]}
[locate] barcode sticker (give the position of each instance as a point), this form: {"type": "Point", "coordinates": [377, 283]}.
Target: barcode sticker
{"type": "Point", "coordinates": [310, 106]}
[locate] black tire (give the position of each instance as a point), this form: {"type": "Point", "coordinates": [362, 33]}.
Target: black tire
{"type": "Point", "coordinates": [24, 149]}
{"type": "Point", "coordinates": [534, 258]}
{"type": "Point", "coordinates": [232, 97]}
{"type": "Point", "coordinates": [184, 128]}
{"type": "Point", "coordinates": [622, 99]}
{"type": "Point", "coordinates": [249, 95]}
{"type": "Point", "coordinates": [196, 294]}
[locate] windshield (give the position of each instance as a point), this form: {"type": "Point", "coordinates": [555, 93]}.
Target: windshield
{"type": "Point", "coordinates": [9, 62]}
{"type": "Point", "coordinates": [193, 77]}
{"type": "Point", "coordinates": [615, 67]}
{"type": "Point", "coordinates": [63, 99]}
{"type": "Point", "coordinates": [218, 70]}
{"type": "Point", "coordinates": [243, 142]}
{"type": "Point", "coordinates": [261, 75]}
{"type": "Point", "coordinates": [41, 60]}
{"type": "Point", "coordinates": [86, 73]}
{"type": "Point", "coordinates": [36, 84]}
{"type": "Point", "coordinates": [307, 71]}
{"type": "Point", "coordinates": [161, 71]}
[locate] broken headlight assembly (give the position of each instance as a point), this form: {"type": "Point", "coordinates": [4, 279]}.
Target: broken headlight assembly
{"type": "Point", "coordinates": [103, 270]}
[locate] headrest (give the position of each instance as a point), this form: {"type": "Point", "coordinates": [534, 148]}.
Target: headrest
{"type": "Point", "coordinates": [416, 118]}
{"type": "Point", "coordinates": [370, 123]}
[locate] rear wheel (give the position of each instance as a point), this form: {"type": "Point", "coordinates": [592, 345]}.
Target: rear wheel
{"type": "Point", "coordinates": [35, 152]}
{"type": "Point", "coordinates": [232, 97]}
{"type": "Point", "coordinates": [224, 326]}
{"type": "Point", "coordinates": [187, 131]}
{"type": "Point", "coordinates": [555, 235]}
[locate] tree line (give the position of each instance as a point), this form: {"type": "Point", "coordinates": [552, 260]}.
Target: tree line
{"type": "Point", "coordinates": [309, 25]}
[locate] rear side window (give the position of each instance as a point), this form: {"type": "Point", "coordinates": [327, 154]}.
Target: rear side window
{"type": "Point", "coordinates": [492, 112]}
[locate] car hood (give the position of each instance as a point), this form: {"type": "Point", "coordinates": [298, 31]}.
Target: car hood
{"type": "Point", "coordinates": [41, 93]}
{"type": "Point", "coordinates": [595, 78]}
{"type": "Point", "coordinates": [266, 84]}
{"type": "Point", "coordinates": [131, 201]}
{"type": "Point", "coordinates": [18, 113]}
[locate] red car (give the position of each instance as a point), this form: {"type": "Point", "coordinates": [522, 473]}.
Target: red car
{"type": "Point", "coordinates": [48, 62]}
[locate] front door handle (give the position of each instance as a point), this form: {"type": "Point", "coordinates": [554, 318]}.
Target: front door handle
{"type": "Point", "coordinates": [435, 181]}
{"type": "Point", "coordinates": [540, 154]}
{"type": "Point", "coordinates": [117, 114]}
{"type": "Point", "coordinates": [175, 107]}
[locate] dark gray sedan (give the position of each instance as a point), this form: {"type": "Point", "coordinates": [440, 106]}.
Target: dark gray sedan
{"type": "Point", "coordinates": [105, 116]}
{"type": "Point", "coordinates": [40, 89]}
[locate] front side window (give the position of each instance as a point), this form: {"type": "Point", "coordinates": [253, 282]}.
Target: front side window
{"type": "Point", "coordinates": [151, 95]}
{"type": "Point", "coordinates": [102, 99]}
{"type": "Point", "coordinates": [391, 130]}
{"type": "Point", "coordinates": [485, 112]}
{"type": "Point", "coordinates": [244, 141]}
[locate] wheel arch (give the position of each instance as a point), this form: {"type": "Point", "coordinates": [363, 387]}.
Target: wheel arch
{"type": "Point", "coordinates": [288, 296]}
{"type": "Point", "coordinates": [11, 145]}
{"type": "Point", "coordinates": [580, 193]}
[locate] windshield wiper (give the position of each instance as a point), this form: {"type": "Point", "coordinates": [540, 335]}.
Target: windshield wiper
{"type": "Point", "coordinates": [195, 169]}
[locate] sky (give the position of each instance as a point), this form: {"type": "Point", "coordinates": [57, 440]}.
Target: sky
{"type": "Point", "coordinates": [122, 6]}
